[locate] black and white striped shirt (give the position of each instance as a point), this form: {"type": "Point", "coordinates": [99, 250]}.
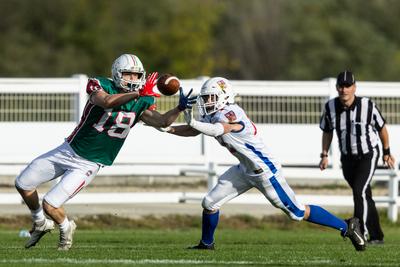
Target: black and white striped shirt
{"type": "Point", "coordinates": [356, 127]}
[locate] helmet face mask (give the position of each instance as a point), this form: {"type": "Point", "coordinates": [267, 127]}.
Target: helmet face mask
{"type": "Point", "coordinates": [215, 94]}
{"type": "Point", "coordinates": [208, 104]}
{"type": "Point", "coordinates": [128, 63]}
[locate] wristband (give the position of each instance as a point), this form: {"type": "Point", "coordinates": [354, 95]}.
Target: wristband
{"type": "Point", "coordinates": [323, 155]}
{"type": "Point", "coordinates": [386, 151]}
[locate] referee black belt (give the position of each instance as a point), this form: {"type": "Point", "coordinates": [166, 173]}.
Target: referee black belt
{"type": "Point", "coordinates": [358, 156]}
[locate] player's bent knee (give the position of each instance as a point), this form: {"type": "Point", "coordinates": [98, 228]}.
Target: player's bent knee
{"type": "Point", "coordinates": [205, 204]}
{"type": "Point", "coordinates": [209, 205]}
{"type": "Point", "coordinates": [49, 205]}
{"type": "Point", "coordinates": [299, 216]}
{"type": "Point", "coordinates": [295, 218]}
{"type": "Point", "coordinates": [21, 185]}
{"type": "Point", "coordinates": [209, 211]}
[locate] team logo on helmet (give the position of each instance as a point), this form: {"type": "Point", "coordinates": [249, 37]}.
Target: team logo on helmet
{"type": "Point", "coordinates": [222, 85]}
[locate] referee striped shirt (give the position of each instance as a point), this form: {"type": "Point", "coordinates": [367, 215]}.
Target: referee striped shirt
{"type": "Point", "coordinates": [356, 127]}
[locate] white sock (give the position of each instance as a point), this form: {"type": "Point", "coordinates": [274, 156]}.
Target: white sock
{"type": "Point", "coordinates": [64, 225]}
{"type": "Point", "coordinates": [38, 215]}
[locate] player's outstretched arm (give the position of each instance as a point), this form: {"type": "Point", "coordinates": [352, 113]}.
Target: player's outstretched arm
{"type": "Point", "coordinates": [182, 130]}
{"type": "Point", "coordinates": [155, 119]}
{"type": "Point", "coordinates": [158, 120]}
{"type": "Point", "coordinates": [211, 129]}
{"type": "Point", "coordinates": [102, 99]}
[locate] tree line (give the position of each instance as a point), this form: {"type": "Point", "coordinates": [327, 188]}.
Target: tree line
{"type": "Point", "coordinates": [238, 39]}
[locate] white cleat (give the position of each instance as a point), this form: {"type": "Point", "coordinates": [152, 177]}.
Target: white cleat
{"type": "Point", "coordinates": [66, 237]}
{"type": "Point", "coordinates": [39, 229]}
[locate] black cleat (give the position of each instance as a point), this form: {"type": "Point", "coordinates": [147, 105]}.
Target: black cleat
{"type": "Point", "coordinates": [201, 245]}
{"type": "Point", "coordinates": [354, 233]}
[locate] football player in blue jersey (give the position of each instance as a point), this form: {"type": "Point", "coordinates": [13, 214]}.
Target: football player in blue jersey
{"type": "Point", "coordinates": [223, 119]}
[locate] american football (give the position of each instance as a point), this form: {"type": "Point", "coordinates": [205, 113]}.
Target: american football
{"type": "Point", "coordinates": [168, 84]}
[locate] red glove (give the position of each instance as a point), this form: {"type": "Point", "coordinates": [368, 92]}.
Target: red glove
{"type": "Point", "coordinates": [147, 89]}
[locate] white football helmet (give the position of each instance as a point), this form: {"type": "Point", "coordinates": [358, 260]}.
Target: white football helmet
{"type": "Point", "coordinates": [215, 94]}
{"type": "Point", "coordinates": [128, 63]}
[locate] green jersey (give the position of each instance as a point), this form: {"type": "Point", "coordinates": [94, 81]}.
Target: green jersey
{"type": "Point", "coordinates": [101, 133]}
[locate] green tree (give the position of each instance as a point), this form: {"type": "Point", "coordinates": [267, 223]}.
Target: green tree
{"type": "Point", "coordinates": [329, 36]}
{"type": "Point", "coordinates": [239, 39]}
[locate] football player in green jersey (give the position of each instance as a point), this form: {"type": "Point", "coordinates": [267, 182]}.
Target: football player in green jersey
{"type": "Point", "coordinates": [114, 106]}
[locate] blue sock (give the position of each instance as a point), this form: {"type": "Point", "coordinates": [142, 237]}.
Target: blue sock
{"type": "Point", "coordinates": [210, 222]}
{"type": "Point", "coordinates": [321, 216]}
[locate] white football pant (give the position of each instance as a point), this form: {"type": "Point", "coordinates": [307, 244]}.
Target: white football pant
{"type": "Point", "coordinates": [235, 182]}
{"type": "Point", "coordinates": [76, 173]}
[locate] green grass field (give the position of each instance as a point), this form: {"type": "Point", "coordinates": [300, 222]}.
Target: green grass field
{"type": "Point", "coordinates": [265, 244]}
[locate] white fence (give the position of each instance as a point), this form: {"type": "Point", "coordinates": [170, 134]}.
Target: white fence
{"type": "Point", "coordinates": [37, 114]}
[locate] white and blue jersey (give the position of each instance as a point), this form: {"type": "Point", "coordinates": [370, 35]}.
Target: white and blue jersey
{"type": "Point", "coordinates": [246, 145]}
{"type": "Point", "coordinates": [257, 168]}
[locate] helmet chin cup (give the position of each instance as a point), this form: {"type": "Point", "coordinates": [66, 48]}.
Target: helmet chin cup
{"type": "Point", "coordinates": [130, 86]}
{"type": "Point", "coordinates": [206, 108]}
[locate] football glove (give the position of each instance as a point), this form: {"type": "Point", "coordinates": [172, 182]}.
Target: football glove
{"type": "Point", "coordinates": [186, 101]}
{"type": "Point", "coordinates": [147, 89]}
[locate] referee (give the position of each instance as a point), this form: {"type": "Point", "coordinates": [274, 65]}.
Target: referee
{"type": "Point", "coordinates": [358, 124]}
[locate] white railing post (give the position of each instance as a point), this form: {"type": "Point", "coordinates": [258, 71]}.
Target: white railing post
{"type": "Point", "coordinates": [81, 96]}
{"type": "Point", "coordinates": [393, 195]}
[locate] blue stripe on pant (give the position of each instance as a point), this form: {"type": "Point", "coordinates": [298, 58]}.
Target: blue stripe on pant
{"type": "Point", "coordinates": [285, 198]}
{"type": "Point", "coordinates": [265, 159]}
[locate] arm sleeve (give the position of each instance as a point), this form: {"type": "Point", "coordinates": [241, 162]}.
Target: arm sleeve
{"type": "Point", "coordinates": [377, 118]}
{"type": "Point", "coordinates": [326, 121]}
{"type": "Point", "coordinates": [93, 85]}
{"type": "Point", "coordinates": [210, 129]}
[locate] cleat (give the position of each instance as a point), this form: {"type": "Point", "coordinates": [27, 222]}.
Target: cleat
{"type": "Point", "coordinates": [354, 234]}
{"type": "Point", "coordinates": [39, 229]}
{"type": "Point", "coordinates": [201, 245]}
{"type": "Point", "coordinates": [66, 238]}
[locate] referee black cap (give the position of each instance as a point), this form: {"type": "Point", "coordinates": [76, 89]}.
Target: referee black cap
{"type": "Point", "coordinates": [345, 78]}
